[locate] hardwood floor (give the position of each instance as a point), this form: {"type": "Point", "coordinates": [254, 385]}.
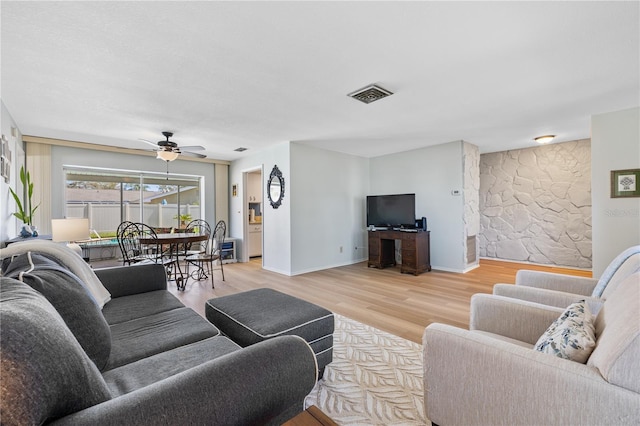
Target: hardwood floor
{"type": "Point", "coordinates": [398, 303]}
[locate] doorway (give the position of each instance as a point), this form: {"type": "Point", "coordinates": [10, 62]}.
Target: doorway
{"type": "Point", "coordinates": [253, 207]}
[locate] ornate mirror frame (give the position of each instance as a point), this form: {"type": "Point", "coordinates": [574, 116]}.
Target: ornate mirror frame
{"type": "Point", "coordinates": [275, 187]}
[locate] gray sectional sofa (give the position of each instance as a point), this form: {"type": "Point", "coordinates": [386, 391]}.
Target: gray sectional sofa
{"type": "Point", "coordinates": [116, 347]}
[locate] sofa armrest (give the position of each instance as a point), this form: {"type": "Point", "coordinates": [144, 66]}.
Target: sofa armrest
{"type": "Point", "coordinates": [558, 282]}
{"type": "Point", "coordinates": [473, 379]}
{"type": "Point", "coordinates": [558, 299]}
{"type": "Point", "coordinates": [517, 319]}
{"type": "Point", "coordinates": [134, 279]}
{"type": "Point", "coordinates": [265, 383]}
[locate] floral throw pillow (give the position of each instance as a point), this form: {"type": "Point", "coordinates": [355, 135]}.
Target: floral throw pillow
{"type": "Point", "coordinates": [572, 336]}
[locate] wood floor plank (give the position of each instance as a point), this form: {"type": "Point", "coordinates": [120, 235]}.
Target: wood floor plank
{"type": "Point", "coordinates": [398, 303]}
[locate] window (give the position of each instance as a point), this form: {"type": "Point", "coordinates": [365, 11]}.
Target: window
{"type": "Point", "coordinates": [109, 197]}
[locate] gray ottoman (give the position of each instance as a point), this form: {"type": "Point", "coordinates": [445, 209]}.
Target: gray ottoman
{"type": "Point", "coordinates": [253, 316]}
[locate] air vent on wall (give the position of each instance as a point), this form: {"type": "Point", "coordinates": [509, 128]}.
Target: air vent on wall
{"type": "Point", "coordinates": [370, 94]}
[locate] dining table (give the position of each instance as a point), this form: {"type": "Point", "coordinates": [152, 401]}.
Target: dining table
{"type": "Point", "coordinates": [179, 243]}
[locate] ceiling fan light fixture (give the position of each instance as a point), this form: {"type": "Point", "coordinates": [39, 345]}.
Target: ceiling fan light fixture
{"type": "Point", "coordinates": [167, 155]}
{"type": "Point", "coordinates": [544, 139]}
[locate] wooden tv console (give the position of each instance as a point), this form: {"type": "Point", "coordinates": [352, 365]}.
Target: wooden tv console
{"type": "Point", "coordinates": [414, 247]}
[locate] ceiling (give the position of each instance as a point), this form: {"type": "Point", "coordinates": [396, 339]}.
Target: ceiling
{"type": "Point", "coordinates": [254, 74]}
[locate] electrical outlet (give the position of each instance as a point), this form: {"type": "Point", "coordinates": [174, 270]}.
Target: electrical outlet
{"type": "Point", "coordinates": [455, 192]}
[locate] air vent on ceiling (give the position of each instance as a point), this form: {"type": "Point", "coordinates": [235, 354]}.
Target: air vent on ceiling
{"type": "Point", "coordinates": [241, 149]}
{"type": "Point", "coordinates": [370, 94]}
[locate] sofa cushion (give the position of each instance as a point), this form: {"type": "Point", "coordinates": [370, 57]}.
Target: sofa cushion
{"type": "Point", "coordinates": [571, 336]}
{"type": "Point", "coordinates": [70, 297]}
{"type": "Point", "coordinates": [45, 373]}
{"type": "Point", "coordinates": [127, 308]}
{"type": "Point", "coordinates": [146, 371]}
{"type": "Point", "coordinates": [617, 352]}
{"type": "Point", "coordinates": [147, 336]}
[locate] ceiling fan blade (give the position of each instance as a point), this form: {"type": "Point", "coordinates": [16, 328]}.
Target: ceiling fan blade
{"type": "Point", "coordinates": [193, 148]}
{"type": "Point", "coordinates": [149, 142]}
{"type": "Point", "coordinates": [192, 154]}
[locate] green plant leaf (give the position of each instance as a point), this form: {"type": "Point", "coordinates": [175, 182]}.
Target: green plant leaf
{"type": "Point", "coordinates": [17, 200]}
{"type": "Point", "coordinates": [25, 208]}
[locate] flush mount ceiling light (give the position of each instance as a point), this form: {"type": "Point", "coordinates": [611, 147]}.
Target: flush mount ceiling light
{"type": "Point", "coordinates": [370, 94]}
{"type": "Point", "coordinates": [167, 155]}
{"type": "Point", "coordinates": [544, 139]}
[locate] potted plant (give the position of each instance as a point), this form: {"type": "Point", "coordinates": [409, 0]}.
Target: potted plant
{"type": "Point", "coordinates": [25, 209]}
{"type": "Point", "coordinates": [184, 218]}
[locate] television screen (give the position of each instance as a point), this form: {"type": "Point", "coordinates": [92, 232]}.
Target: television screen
{"type": "Point", "coordinates": [394, 211]}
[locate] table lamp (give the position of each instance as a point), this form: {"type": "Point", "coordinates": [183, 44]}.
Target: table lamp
{"type": "Point", "coordinates": [69, 231]}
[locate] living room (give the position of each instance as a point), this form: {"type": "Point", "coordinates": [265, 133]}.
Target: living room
{"type": "Point", "coordinates": [458, 98]}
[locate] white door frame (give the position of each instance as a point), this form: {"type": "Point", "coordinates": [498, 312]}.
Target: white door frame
{"type": "Point", "coordinates": [245, 211]}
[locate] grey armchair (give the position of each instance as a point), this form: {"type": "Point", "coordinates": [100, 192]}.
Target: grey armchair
{"type": "Point", "coordinates": [491, 374]}
{"type": "Point", "coordinates": [561, 290]}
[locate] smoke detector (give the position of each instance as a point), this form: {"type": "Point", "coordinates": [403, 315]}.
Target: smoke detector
{"type": "Point", "coordinates": [370, 94]}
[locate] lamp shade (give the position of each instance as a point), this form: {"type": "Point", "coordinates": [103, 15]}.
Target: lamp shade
{"type": "Point", "coordinates": [70, 229]}
{"type": "Point", "coordinates": [167, 155]}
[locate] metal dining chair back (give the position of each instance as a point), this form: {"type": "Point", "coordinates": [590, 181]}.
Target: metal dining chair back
{"type": "Point", "coordinates": [203, 260]}
{"type": "Point", "coordinates": [201, 227]}
{"type": "Point", "coordinates": [124, 249]}
{"type": "Point", "coordinates": [218, 243]}
{"type": "Point", "coordinates": [133, 251]}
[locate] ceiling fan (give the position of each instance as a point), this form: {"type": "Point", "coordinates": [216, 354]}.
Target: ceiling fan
{"type": "Point", "coordinates": [168, 150]}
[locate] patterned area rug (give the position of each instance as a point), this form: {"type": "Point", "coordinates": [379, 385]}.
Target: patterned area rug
{"type": "Point", "coordinates": [375, 378]}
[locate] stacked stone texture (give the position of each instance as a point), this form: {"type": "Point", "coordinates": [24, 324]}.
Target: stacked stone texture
{"type": "Point", "coordinates": [535, 204]}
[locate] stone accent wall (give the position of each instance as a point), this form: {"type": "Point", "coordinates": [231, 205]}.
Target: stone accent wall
{"type": "Point", "coordinates": [470, 191]}
{"type": "Point", "coordinates": [535, 204]}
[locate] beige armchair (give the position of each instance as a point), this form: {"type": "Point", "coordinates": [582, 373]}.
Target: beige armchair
{"type": "Point", "coordinates": [491, 375]}
{"type": "Point", "coordinates": [562, 290]}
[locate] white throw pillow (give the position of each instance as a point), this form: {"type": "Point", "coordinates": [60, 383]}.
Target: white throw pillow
{"type": "Point", "coordinates": [572, 336]}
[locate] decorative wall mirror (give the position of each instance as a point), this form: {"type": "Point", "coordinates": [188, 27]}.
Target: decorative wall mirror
{"type": "Point", "coordinates": [275, 187]}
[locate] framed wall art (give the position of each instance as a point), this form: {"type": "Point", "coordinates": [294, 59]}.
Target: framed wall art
{"type": "Point", "coordinates": [625, 183]}
{"type": "Point", "coordinates": [5, 154]}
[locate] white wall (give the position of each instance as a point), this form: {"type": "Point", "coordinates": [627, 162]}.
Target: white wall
{"type": "Point", "coordinates": [431, 173]}
{"type": "Point", "coordinates": [276, 223]}
{"type": "Point", "coordinates": [328, 212]}
{"type": "Point", "coordinates": [9, 224]}
{"type": "Point", "coordinates": [63, 155]}
{"type": "Point", "coordinates": [615, 145]}
{"type": "Point", "coordinates": [323, 208]}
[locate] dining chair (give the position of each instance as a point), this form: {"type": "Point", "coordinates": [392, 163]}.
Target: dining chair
{"type": "Point", "coordinates": [134, 252]}
{"type": "Point", "coordinates": [218, 244]}
{"type": "Point", "coordinates": [201, 227]}
{"type": "Point", "coordinates": [119, 231]}
{"type": "Point", "coordinates": [204, 260]}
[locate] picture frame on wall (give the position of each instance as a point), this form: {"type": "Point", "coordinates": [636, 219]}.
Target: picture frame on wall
{"type": "Point", "coordinates": [625, 183]}
{"type": "Point", "coordinates": [5, 154]}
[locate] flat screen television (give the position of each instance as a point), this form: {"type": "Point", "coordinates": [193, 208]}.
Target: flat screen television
{"type": "Point", "coordinates": [392, 211]}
